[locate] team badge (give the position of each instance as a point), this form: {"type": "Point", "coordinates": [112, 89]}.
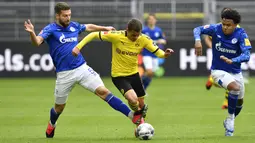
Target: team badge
{"type": "Point", "coordinates": [72, 29]}
{"type": "Point", "coordinates": [156, 34]}
{"type": "Point", "coordinates": [234, 40]}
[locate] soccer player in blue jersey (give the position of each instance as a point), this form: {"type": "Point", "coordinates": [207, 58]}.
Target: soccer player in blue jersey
{"type": "Point", "coordinates": [61, 36]}
{"type": "Point", "coordinates": [150, 61]}
{"type": "Point", "coordinates": [230, 47]}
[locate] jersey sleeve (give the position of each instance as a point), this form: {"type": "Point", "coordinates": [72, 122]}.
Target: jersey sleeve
{"type": "Point", "coordinates": [245, 46]}
{"type": "Point", "coordinates": [109, 36]}
{"type": "Point", "coordinates": [244, 42]}
{"type": "Point", "coordinates": [45, 32]}
{"type": "Point", "coordinates": [206, 29]}
{"type": "Point", "coordinates": [150, 45]}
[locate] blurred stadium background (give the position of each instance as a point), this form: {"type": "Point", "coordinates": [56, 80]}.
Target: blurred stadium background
{"type": "Point", "coordinates": [181, 110]}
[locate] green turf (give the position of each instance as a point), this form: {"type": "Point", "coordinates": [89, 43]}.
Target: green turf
{"type": "Point", "coordinates": [180, 109]}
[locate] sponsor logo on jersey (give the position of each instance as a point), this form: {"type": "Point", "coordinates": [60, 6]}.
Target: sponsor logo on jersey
{"type": "Point", "coordinates": [224, 50]}
{"type": "Point", "coordinates": [126, 52]}
{"type": "Point", "coordinates": [63, 39]}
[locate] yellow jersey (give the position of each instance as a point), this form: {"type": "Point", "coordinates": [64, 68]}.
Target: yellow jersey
{"type": "Point", "coordinates": [125, 52]}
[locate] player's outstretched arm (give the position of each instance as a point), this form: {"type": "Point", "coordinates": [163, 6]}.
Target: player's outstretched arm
{"type": "Point", "coordinates": [36, 40]}
{"type": "Point", "coordinates": [93, 28]}
{"type": "Point", "coordinates": [208, 41]}
{"type": "Point", "coordinates": [84, 41]}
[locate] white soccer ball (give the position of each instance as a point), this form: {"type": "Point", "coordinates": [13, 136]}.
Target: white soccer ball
{"type": "Point", "coordinates": [144, 131]}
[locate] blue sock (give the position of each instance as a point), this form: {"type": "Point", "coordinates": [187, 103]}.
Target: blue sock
{"type": "Point", "coordinates": [238, 110]}
{"type": "Point", "coordinates": [117, 104]}
{"type": "Point", "coordinates": [53, 116]}
{"type": "Point", "coordinates": [232, 102]}
{"type": "Point", "coordinates": [146, 81]}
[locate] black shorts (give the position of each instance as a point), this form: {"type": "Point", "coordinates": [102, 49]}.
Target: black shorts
{"type": "Point", "coordinates": [125, 83]}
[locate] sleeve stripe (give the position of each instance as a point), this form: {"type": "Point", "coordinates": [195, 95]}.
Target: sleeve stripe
{"type": "Point", "coordinates": [100, 36]}
{"type": "Point", "coordinates": [155, 51]}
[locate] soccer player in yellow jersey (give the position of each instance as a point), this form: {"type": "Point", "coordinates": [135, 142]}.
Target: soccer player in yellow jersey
{"type": "Point", "coordinates": [210, 82]}
{"type": "Point", "coordinates": [126, 45]}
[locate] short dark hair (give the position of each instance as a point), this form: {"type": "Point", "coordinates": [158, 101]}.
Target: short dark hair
{"type": "Point", "coordinates": [61, 6]}
{"type": "Point", "coordinates": [231, 14]}
{"type": "Point", "coordinates": [224, 9]}
{"type": "Point", "coordinates": [135, 25]}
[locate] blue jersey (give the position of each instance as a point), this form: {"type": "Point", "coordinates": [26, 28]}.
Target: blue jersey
{"type": "Point", "coordinates": [155, 34]}
{"type": "Point", "coordinates": [235, 47]}
{"type": "Point", "coordinates": [61, 41]}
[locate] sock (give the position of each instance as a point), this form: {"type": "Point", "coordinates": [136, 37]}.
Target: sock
{"type": "Point", "coordinates": [117, 104]}
{"type": "Point", "coordinates": [226, 94]}
{"type": "Point", "coordinates": [53, 116]}
{"type": "Point", "coordinates": [238, 110]}
{"type": "Point", "coordinates": [134, 107]}
{"type": "Point", "coordinates": [232, 102]}
{"type": "Point", "coordinates": [146, 81]}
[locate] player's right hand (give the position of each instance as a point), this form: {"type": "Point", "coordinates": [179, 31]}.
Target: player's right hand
{"type": "Point", "coordinates": [29, 27]}
{"type": "Point", "coordinates": [75, 51]}
{"type": "Point", "coordinates": [168, 52]}
{"type": "Point", "coordinates": [198, 48]}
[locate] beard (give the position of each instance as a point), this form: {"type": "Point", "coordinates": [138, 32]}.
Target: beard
{"type": "Point", "coordinates": [64, 24]}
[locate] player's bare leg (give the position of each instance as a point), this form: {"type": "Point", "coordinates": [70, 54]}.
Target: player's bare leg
{"type": "Point", "coordinates": [133, 102]}
{"type": "Point", "coordinates": [54, 114]}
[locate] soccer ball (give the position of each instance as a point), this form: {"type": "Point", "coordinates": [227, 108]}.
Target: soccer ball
{"type": "Point", "coordinates": [144, 131]}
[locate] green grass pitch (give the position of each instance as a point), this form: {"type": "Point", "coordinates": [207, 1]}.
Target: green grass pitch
{"type": "Point", "coordinates": [180, 109]}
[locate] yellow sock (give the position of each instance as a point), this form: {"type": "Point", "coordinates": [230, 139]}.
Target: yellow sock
{"type": "Point", "coordinates": [225, 102]}
{"type": "Point", "coordinates": [211, 79]}
{"type": "Point", "coordinates": [134, 107]}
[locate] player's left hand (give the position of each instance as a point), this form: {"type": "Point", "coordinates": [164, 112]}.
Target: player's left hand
{"type": "Point", "coordinates": [75, 51]}
{"type": "Point", "coordinates": [168, 52]}
{"type": "Point", "coordinates": [227, 60]}
{"type": "Point", "coordinates": [109, 28]}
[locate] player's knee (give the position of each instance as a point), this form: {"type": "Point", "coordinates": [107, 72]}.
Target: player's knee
{"type": "Point", "coordinates": [239, 102]}
{"type": "Point", "coordinates": [234, 86]}
{"type": "Point", "coordinates": [102, 92]}
{"type": "Point", "coordinates": [59, 108]}
{"type": "Point", "coordinates": [132, 100]}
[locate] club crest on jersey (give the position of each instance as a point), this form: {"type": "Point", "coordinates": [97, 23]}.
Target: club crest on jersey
{"type": "Point", "coordinates": [63, 39]}
{"type": "Point", "coordinates": [156, 34]}
{"type": "Point", "coordinates": [234, 40]}
{"type": "Point", "coordinates": [72, 29]}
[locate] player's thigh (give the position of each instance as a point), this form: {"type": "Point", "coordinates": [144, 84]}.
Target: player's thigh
{"type": "Point", "coordinates": [122, 83]}
{"type": "Point", "coordinates": [88, 78]}
{"type": "Point", "coordinates": [137, 85]}
{"type": "Point", "coordinates": [147, 62]}
{"type": "Point", "coordinates": [239, 79]}
{"type": "Point", "coordinates": [222, 78]}
{"type": "Point", "coordinates": [155, 64]}
{"type": "Point", "coordinates": [64, 84]}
